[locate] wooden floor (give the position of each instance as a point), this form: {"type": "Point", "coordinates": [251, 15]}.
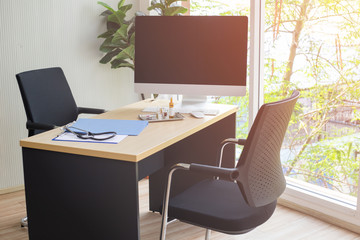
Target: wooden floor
{"type": "Point", "coordinates": [284, 224]}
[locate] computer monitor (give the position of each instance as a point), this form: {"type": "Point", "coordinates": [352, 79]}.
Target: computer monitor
{"type": "Point", "coordinates": [191, 55]}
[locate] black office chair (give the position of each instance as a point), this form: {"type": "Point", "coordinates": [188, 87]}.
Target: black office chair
{"type": "Point", "coordinates": [48, 101]}
{"type": "Point", "coordinates": [237, 200]}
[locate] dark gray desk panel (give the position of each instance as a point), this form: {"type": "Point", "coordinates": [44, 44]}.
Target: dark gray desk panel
{"type": "Point", "coordinates": [151, 164]}
{"type": "Point", "coordinates": [76, 197]}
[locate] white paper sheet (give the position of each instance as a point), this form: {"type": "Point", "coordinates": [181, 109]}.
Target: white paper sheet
{"type": "Point", "coordinates": [67, 136]}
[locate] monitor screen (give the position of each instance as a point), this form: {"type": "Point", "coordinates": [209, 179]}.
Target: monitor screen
{"type": "Point", "coordinates": [194, 55]}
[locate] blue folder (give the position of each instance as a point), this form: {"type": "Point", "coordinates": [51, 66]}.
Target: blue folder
{"type": "Point", "coordinates": [121, 127]}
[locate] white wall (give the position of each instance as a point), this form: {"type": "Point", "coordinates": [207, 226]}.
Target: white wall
{"type": "Point", "coordinates": [46, 33]}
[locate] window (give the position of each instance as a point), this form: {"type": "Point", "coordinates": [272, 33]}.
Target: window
{"type": "Point", "coordinates": [312, 46]}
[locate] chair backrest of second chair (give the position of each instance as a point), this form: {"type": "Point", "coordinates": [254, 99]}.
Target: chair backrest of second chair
{"type": "Point", "coordinates": [262, 179]}
{"type": "Point", "coordinates": [47, 96]}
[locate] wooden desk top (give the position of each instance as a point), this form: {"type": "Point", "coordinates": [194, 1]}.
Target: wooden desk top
{"type": "Point", "coordinates": [155, 137]}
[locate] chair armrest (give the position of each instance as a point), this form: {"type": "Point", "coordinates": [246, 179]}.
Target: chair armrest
{"type": "Point", "coordinates": [230, 174]}
{"type": "Point", "coordinates": [227, 141]}
{"type": "Point", "coordinates": [39, 126]}
{"type": "Point", "coordinates": [239, 141]}
{"type": "Point", "coordinates": [90, 110]}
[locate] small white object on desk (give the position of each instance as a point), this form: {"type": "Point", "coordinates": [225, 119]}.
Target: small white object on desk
{"type": "Point", "coordinates": [198, 114]}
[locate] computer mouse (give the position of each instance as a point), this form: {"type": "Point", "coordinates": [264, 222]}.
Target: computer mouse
{"type": "Point", "coordinates": [198, 114]}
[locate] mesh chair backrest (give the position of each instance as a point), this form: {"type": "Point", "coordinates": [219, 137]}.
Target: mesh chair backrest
{"type": "Point", "coordinates": [261, 176]}
{"type": "Point", "coordinates": [47, 97]}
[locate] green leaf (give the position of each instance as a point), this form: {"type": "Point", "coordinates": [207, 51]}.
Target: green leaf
{"type": "Point", "coordinates": [125, 8]}
{"type": "Point", "coordinates": [106, 45]}
{"type": "Point", "coordinates": [131, 51]}
{"type": "Point", "coordinates": [106, 13]}
{"type": "Point", "coordinates": [117, 63]}
{"type": "Point", "coordinates": [119, 44]}
{"type": "Point", "coordinates": [106, 34]}
{"type": "Point", "coordinates": [131, 30]}
{"type": "Point", "coordinates": [174, 10]}
{"type": "Point", "coordinates": [117, 17]}
{"type": "Point", "coordinates": [122, 56]}
{"type": "Point", "coordinates": [132, 39]}
{"type": "Point", "coordinates": [121, 2]}
{"type": "Point", "coordinates": [107, 58]}
{"type": "Point", "coordinates": [157, 5]}
{"type": "Point", "coordinates": [112, 26]}
{"type": "Point", "coordinates": [106, 6]}
{"type": "Point", "coordinates": [121, 34]}
{"type": "Point", "coordinates": [129, 65]}
{"type": "Point", "coordinates": [128, 52]}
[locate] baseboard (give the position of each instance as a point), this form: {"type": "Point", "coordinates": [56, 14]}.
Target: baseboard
{"type": "Point", "coordinates": [11, 189]}
{"type": "Point", "coordinates": [322, 216]}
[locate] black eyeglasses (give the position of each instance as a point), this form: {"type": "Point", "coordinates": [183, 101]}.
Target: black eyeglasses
{"type": "Point", "coordinates": [83, 134]}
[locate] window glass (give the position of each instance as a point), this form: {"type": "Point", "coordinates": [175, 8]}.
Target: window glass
{"type": "Point", "coordinates": [314, 47]}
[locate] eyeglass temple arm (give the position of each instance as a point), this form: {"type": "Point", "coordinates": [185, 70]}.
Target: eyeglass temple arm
{"type": "Point", "coordinates": [227, 141]}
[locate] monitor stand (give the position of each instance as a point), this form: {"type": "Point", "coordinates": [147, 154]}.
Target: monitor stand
{"type": "Point", "coordinates": [191, 103]}
{"type": "Point", "coordinates": [193, 99]}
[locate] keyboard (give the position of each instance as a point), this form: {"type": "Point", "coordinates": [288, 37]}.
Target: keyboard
{"type": "Point", "coordinates": [206, 111]}
{"type": "Point", "coordinates": [211, 111]}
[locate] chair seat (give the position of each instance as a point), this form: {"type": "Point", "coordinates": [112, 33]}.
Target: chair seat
{"type": "Point", "coordinates": [218, 205]}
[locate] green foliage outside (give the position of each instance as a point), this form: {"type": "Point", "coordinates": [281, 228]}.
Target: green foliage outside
{"type": "Point", "coordinates": [314, 47]}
